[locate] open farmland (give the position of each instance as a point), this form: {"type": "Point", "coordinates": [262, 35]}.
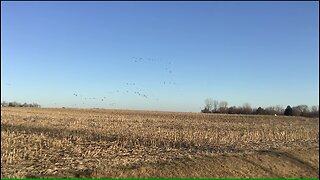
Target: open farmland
{"type": "Point", "coordinates": [38, 142]}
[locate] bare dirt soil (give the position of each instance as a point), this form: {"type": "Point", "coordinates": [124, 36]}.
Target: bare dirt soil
{"type": "Point", "coordinates": [39, 142]}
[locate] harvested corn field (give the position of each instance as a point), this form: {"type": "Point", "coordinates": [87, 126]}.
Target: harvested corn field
{"type": "Point", "coordinates": [39, 142]}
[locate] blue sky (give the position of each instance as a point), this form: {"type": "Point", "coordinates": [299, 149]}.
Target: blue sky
{"type": "Point", "coordinates": [263, 53]}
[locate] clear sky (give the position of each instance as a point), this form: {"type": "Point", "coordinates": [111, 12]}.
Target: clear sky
{"type": "Point", "coordinates": [263, 53]}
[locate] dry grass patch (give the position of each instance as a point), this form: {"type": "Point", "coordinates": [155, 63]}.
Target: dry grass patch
{"type": "Point", "coordinates": [100, 143]}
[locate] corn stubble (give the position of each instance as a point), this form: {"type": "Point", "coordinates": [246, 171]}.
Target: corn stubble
{"type": "Point", "coordinates": [110, 143]}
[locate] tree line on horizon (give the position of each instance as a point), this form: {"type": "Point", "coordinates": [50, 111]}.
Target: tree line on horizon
{"type": "Point", "coordinates": [214, 106]}
{"type": "Point", "coordinates": [17, 104]}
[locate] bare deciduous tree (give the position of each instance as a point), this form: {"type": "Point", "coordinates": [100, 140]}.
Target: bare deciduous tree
{"type": "Point", "coordinates": [279, 109]}
{"type": "Point", "coordinates": [315, 109]}
{"type": "Point", "coordinates": [270, 110]}
{"type": "Point", "coordinates": [208, 103]}
{"type": "Point", "coordinates": [215, 105]}
{"type": "Point", "coordinates": [246, 108]}
{"type": "Point", "coordinates": [304, 109]}
{"type": "Point", "coordinates": [223, 107]}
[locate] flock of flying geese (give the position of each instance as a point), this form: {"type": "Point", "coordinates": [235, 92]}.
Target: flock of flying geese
{"type": "Point", "coordinates": [141, 60]}
{"type": "Point", "coordinates": [91, 98]}
{"type": "Point", "coordinates": [137, 92]}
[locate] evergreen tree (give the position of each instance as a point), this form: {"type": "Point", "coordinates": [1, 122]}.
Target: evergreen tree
{"type": "Point", "coordinates": [260, 110]}
{"type": "Point", "coordinates": [288, 111]}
